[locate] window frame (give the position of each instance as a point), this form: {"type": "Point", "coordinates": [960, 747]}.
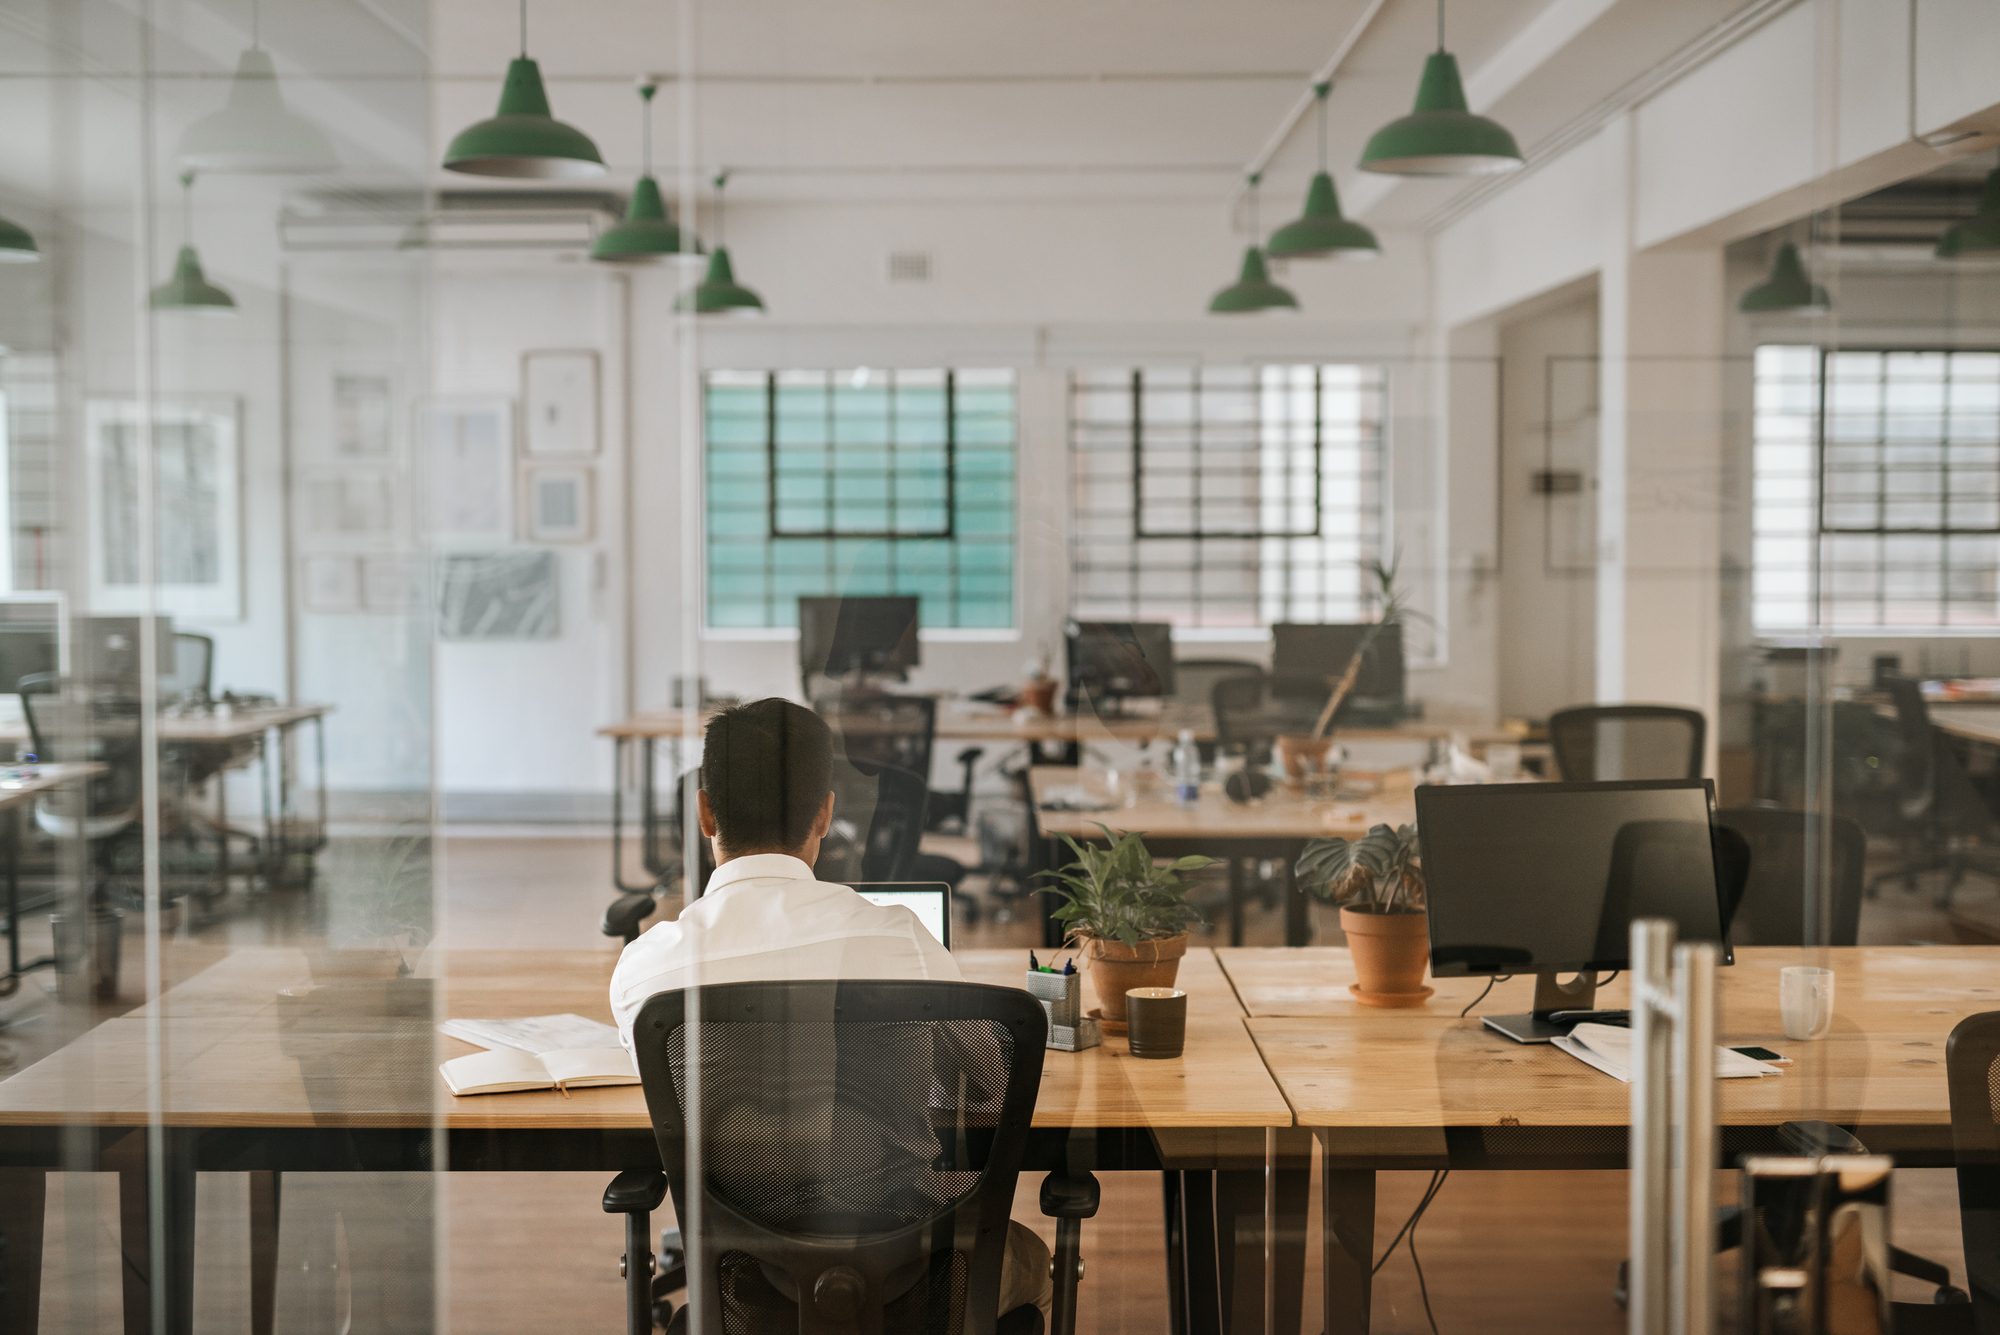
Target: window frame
{"type": "Point", "coordinates": [772, 448]}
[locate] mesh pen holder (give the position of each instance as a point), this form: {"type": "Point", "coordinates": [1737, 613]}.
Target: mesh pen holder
{"type": "Point", "coordinates": [1061, 995]}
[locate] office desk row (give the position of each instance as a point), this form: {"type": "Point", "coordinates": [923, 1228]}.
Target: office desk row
{"type": "Point", "coordinates": [273, 1061]}
{"type": "Point", "coordinates": [638, 738]}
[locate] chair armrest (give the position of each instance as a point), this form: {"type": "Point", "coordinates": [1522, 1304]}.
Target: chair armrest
{"type": "Point", "coordinates": [625, 914]}
{"type": "Point", "coordinates": [636, 1190]}
{"type": "Point", "coordinates": [1069, 1199]}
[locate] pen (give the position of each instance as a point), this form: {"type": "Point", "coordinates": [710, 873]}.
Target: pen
{"type": "Point", "coordinates": [1034, 965]}
{"type": "Point", "coordinates": [1069, 966]}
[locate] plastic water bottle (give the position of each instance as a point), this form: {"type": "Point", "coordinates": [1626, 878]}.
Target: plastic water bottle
{"type": "Point", "coordinates": [1187, 770]}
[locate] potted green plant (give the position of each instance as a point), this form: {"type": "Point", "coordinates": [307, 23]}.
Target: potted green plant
{"type": "Point", "coordinates": [1305, 755]}
{"type": "Point", "coordinates": [1128, 916]}
{"type": "Point", "coordinates": [1378, 882]}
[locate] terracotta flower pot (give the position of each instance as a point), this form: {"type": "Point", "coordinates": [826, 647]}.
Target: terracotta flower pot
{"type": "Point", "coordinates": [1038, 695]}
{"type": "Point", "coordinates": [1391, 952]}
{"type": "Point", "coordinates": [1115, 967]}
{"type": "Point", "coordinates": [1303, 757]}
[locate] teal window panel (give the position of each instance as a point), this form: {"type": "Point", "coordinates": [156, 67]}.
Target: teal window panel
{"type": "Point", "coordinates": [737, 431]}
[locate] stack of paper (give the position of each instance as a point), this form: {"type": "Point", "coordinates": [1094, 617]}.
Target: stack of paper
{"type": "Point", "coordinates": [536, 1033]}
{"type": "Point", "coordinates": [1609, 1049]}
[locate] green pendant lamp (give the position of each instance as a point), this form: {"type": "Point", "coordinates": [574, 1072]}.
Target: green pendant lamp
{"type": "Point", "coordinates": [1253, 292]}
{"type": "Point", "coordinates": [189, 290]}
{"type": "Point", "coordinates": [1788, 289]}
{"type": "Point", "coordinates": [17, 244]}
{"type": "Point", "coordinates": [523, 140]}
{"type": "Point", "coordinates": [1322, 232]}
{"type": "Point", "coordinates": [1979, 234]}
{"type": "Point", "coordinates": [718, 293]}
{"type": "Point", "coordinates": [1441, 137]}
{"type": "Point", "coordinates": [254, 131]}
{"type": "Point", "coordinates": [647, 233]}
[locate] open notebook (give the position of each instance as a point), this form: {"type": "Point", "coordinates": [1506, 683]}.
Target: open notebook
{"type": "Point", "coordinates": [1609, 1049]}
{"type": "Point", "coordinates": [505, 1070]}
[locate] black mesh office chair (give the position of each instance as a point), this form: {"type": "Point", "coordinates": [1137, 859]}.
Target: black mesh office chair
{"type": "Point", "coordinates": [1194, 684]}
{"type": "Point", "coordinates": [1771, 906]}
{"type": "Point", "coordinates": [1244, 719]}
{"type": "Point", "coordinates": [1608, 742]}
{"type": "Point", "coordinates": [955, 808]}
{"type": "Point", "coordinates": [1972, 1066]}
{"type": "Point", "coordinates": [1943, 824]}
{"type": "Point", "coordinates": [876, 730]}
{"type": "Point", "coordinates": [859, 1146]}
{"type": "Point", "coordinates": [69, 722]}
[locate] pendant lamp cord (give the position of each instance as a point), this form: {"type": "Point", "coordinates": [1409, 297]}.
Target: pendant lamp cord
{"type": "Point", "coordinates": [524, 27]}
{"type": "Point", "coordinates": [1320, 90]}
{"type": "Point", "coordinates": [1256, 230]}
{"type": "Point", "coordinates": [187, 208]}
{"type": "Point", "coordinates": [720, 181]}
{"type": "Point", "coordinates": [646, 91]}
{"type": "Point", "coordinates": [1440, 23]}
{"type": "Point", "coordinates": [255, 27]}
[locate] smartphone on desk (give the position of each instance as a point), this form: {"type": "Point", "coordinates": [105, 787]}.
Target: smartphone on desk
{"type": "Point", "coordinates": [1765, 1055]}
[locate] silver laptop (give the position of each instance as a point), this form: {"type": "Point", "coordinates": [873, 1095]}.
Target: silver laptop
{"type": "Point", "coordinates": [929, 900]}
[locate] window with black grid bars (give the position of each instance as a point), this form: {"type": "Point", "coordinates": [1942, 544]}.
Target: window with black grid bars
{"type": "Point", "coordinates": [1225, 497]}
{"type": "Point", "coordinates": [858, 482]}
{"type": "Point", "coordinates": [1883, 467]}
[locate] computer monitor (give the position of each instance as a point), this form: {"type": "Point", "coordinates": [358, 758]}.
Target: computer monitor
{"type": "Point", "coordinates": [876, 635]}
{"type": "Point", "coordinates": [929, 900]}
{"type": "Point", "coordinates": [1305, 656]}
{"type": "Point", "coordinates": [1120, 660]}
{"type": "Point", "coordinates": [27, 648]}
{"type": "Point", "coordinates": [1546, 878]}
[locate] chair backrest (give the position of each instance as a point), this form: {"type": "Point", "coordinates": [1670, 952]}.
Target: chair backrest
{"type": "Point", "coordinates": [1916, 762]}
{"type": "Point", "coordinates": [67, 721]}
{"type": "Point", "coordinates": [194, 666]}
{"type": "Point", "coordinates": [873, 731]}
{"type": "Point", "coordinates": [1773, 907]}
{"type": "Point", "coordinates": [859, 1146]}
{"type": "Point", "coordinates": [1972, 1068]}
{"type": "Point", "coordinates": [1243, 717]}
{"type": "Point", "coordinates": [1598, 743]}
{"type": "Point", "coordinates": [897, 827]}
{"type": "Point", "coordinates": [1195, 678]}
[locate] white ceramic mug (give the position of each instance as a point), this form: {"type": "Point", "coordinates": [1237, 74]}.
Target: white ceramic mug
{"type": "Point", "coordinates": [1805, 999]}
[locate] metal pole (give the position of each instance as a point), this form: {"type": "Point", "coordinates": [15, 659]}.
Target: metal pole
{"type": "Point", "coordinates": [1646, 1292]}
{"type": "Point", "coordinates": [1692, 1302]}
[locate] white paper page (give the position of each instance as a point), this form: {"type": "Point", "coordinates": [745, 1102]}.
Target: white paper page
{"type": "Point", "coordinates": [536, 1033]}
{"type": "Point", "coordinates": [496, 1072]}
{"type": "Point", "coordinates": [579, 1067]}
{"type": "Point", "coordinates": [1609, 1049]}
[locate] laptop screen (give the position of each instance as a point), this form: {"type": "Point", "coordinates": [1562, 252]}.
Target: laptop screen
{"type": "Point", "coordinates": [929, 900]}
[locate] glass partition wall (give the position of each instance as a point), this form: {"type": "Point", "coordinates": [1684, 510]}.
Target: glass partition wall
{"type": "Point", "coordinates": [455, 667]}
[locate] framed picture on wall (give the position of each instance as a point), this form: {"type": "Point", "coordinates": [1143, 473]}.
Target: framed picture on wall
{"type": "Point", "coordinates": [392, 583]}
{"type": "Point", "coordinates": [559, 504]}
{"type": "Point", "coordinates": [329, 582]}
{"type": "Point", "coordinates": [468, 450]}
{"type": "Point", "coordinates": [498, 595]}
{"type": "Point", "coordinates": [358, 506]}
{"type": "Point", "coordinates": [196, 507]}
{"type": "Point", "coordinates": [560, 391]}
{"type": "Point", "coordinates": [363, 413]}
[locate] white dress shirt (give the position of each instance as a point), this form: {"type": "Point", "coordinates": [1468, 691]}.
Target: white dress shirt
{"type": "Point", "coordinates": [765, 917]}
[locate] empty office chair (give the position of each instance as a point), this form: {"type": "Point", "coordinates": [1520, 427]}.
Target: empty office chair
{"type": "Point", "coordinates": [1972, 1066]}
{"type": "Point", "coordinates": [1596, 743]}
{"type": "Point", "coordinates": [1774, 905]}
{"type": "Point", "coordinates": [1244, 719]}
{"type": "Point", "coordinates": [1943, 824]}
{"type": "Point", "coordinates": [68, 722]}
{"type": "Point", "coordinates": [1194, 685]}
{"type": "Point", "coordinates": [955, 808]}
{"type": "Point", "coordinates": [859, 1145]}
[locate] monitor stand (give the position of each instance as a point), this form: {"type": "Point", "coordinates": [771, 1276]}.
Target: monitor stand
{"type": "Point", "coordinates": [1550, 996]}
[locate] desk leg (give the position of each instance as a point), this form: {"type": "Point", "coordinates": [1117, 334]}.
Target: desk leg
{"type": "Point", "coordinates": [1171, 1206]}
{"type": "Point", "coordinates": [1243, 1216]}
{"type": "Point", "coordinates": [23, 1198]}
{"type": "Point", "coordinates": [264, 1186]}
{"type": "Point", "coordinates": [1348, 1222]}
{"type": "Point", "coordinates": [1203, 1301]}
{"type": "Point", "coordinates": [1298, 909]}
{"type": "Point", "coordinates": [174, 1298]}
{"type": "Point", "coordinates": [1236, 902]}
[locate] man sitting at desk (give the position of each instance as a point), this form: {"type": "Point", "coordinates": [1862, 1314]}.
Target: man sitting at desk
{"type": "Point", "coordinates": [765, 803]}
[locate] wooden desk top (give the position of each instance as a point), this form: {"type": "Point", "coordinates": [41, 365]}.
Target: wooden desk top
{"type": "Point", "coordinates": [1976, 723]}
{"type": "Point", "coordinates": [17, 787]}
{"type": "Point", "coordinates": [240, 1055]}
{"type": "Point", "coordinates": [1279, 815]}
{"type": "Point", "coordinates": [200, 728]}
{"type": "Point", "coordinates": [1883, 1064]}
{"type": "Point", "coordinates": [960, 723]}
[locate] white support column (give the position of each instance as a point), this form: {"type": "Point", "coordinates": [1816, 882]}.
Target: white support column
{"type": "Point", "coordinates": [1660, 476]}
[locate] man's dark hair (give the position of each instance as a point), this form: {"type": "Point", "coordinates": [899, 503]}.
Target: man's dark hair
{"type": "Point", "coordinates": [767, 768]}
